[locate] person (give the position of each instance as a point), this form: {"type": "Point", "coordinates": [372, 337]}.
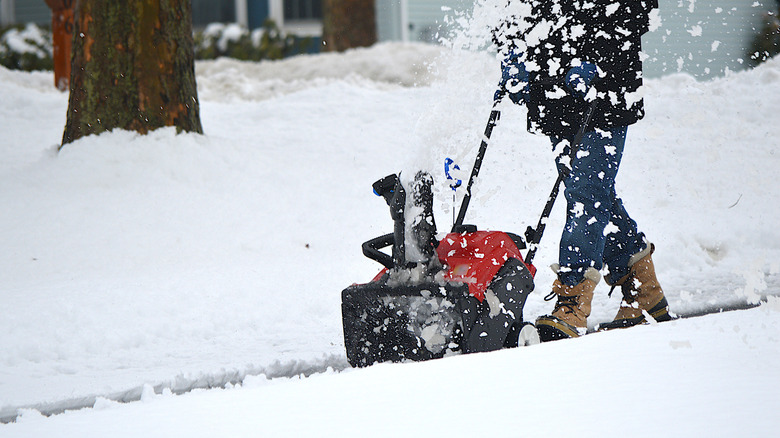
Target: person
{"type": "Point", "coordinates": [559, 58]}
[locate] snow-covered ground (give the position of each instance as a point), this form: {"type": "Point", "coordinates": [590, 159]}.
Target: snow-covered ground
{"type": "Point", "coordinates": [713, 377]}
{"type": "Point", "coordinates": [134, 266]}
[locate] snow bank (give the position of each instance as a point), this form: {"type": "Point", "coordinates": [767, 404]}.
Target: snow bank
{"type": "Point", "coordinates": [383, 66]}
{"type": "Point", "coordinates": [30, 40]}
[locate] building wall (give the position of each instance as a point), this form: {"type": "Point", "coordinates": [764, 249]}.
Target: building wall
{"type": "Point", "coordinates": [300, 27]}
{"type": "Point", "coordinates": [257, 13]}
{"type": "Point", "coordinates": [426, 19]}
{"type": "Point", "coordinates": [414, 20]}
{"type": "Point", "coordinates": [251, 13]}
{"type": "Point", "coordinates": [212, 11]}
{"type": "Point", "coordinates": [6, 12]}
{"type": "Point", "coordinates": [703, 37]}
{"type": "Point", "coordinates": [389, 20]}
{"type": "Point", "coordinates": [36, 11]}
{"type": "Point", "coordinates": [24, 11]}
{"type": "Point", "coordinates": [32, 12]}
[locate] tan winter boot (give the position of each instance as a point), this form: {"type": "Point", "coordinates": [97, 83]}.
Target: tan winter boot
{"type": "Point", "coordinates": [642, 294]}
{"type": "Point", "coordinates": [569, 318]}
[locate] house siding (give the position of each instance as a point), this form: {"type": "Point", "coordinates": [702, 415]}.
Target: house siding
{"type": "Point", "coordinates": [388, 20]}
{"type": "Point", "coordinates": [205, 12]}
{"type": "Point", "coordinates": [704, 38]}
{"type": "Point", "coordinates": [424, 18]}
{"type": "Point", "coordinates": [30, 11]}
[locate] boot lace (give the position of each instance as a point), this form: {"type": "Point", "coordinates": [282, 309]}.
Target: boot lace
{"type": "Point", "coordinates": [625, 288]}
{"type": "Point", "coordinates": [568, 304]}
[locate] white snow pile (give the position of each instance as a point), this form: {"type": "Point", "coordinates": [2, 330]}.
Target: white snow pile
{"type": "Point", "coordinates": [141, 267]}
{"type": "Point", "coordinates": [31, 39]}
{"type": "Point", "coordinates": [385, 66]}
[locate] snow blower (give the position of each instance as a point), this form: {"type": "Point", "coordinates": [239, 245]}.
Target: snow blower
{"type": "Point", "coordinates": [464, 293]}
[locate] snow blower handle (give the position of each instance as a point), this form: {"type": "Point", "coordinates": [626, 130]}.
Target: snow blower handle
{"type": "Point", "coordinates": [495, 115]}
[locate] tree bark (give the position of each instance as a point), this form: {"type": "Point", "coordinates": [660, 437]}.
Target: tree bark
{"type": "Point", "coordinates": [347, 24]}
{"type": "Point", "coordinates": [132, 68]}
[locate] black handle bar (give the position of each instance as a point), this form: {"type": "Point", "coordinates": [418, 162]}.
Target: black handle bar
{"type": "Point", "coordinates": [371, 249]}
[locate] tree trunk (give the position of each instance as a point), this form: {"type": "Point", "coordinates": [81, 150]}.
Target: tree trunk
{"type": "Point", "coordinates": [132, 68]}
{"type": "Point", "coordinates": [347, 24]}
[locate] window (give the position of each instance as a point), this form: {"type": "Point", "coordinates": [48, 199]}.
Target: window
{"type": "Point", "coordinates": [302, 10]}
{"type": "Point", "coordinates": [211, 11]}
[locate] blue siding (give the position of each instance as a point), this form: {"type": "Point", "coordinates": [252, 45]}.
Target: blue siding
{"type": "Point", "coordinates": [257, 12]}
{"type": "Point", "coordinates": [213, 11]}
{"type": "Point", "coordinates": [32, 11]}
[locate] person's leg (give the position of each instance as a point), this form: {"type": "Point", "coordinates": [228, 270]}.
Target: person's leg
{"type": "Point", "coordinates": [622, 241]}
{"type": "Point", "coordinates": [629, 259]}
{"type": "Point", "coordinates": [591, 204]}
{"type": "Point", "coordinates": [589, 196]}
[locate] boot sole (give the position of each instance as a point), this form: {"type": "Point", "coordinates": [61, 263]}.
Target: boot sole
{"type": "Point", "coordinates": [551, 328]}
{"type": "Point", "coordinates": [659, 312]}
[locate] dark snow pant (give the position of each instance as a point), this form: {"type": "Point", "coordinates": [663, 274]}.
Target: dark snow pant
{"type": "Point", "coordinates": [598, 229]}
